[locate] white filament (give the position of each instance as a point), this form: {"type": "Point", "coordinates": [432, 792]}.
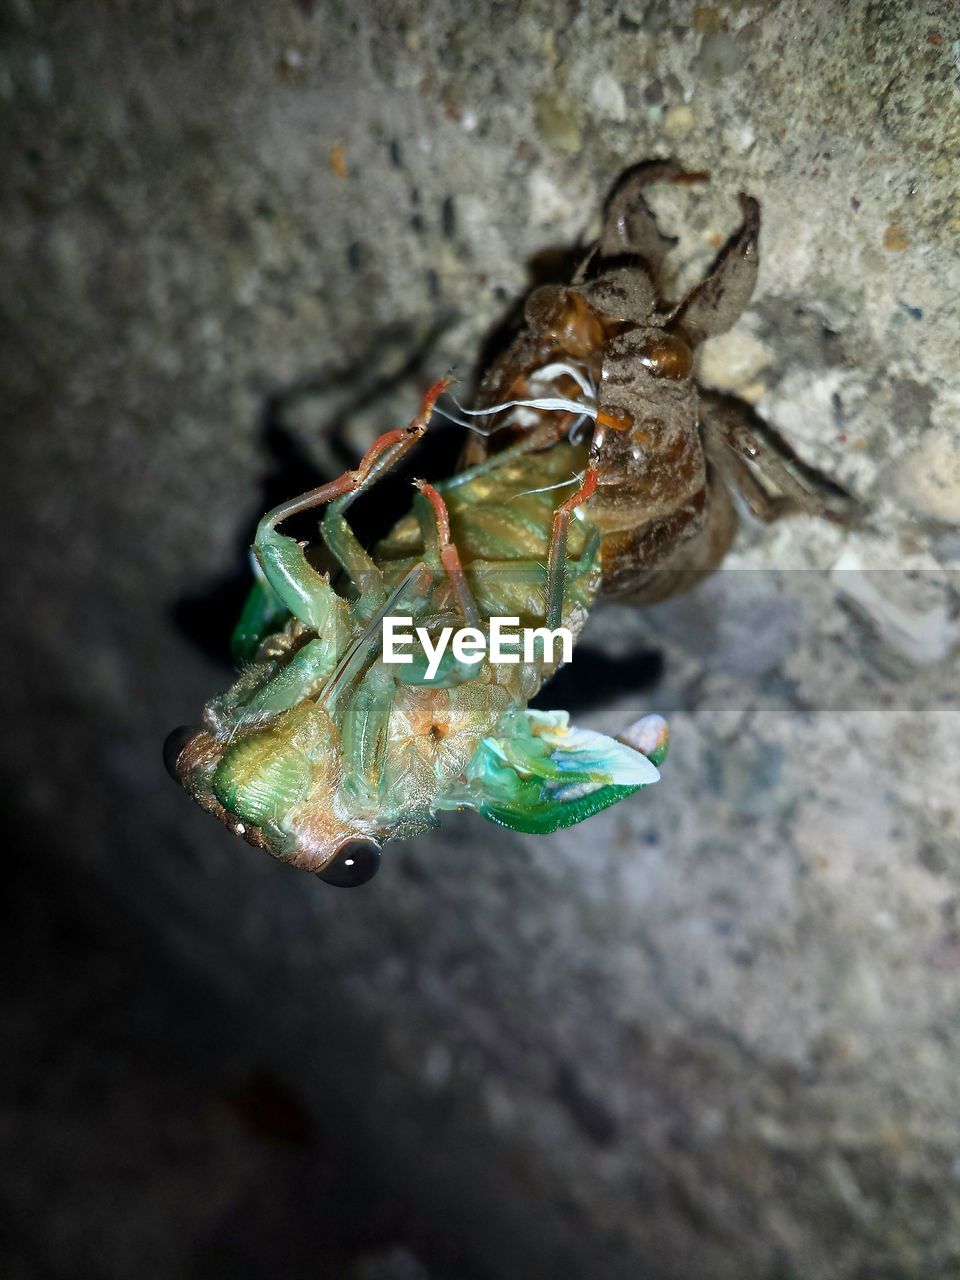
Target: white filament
{"type": "Point", "coordinates": [548, 488]}
{"type": "Point", "coordinates": [556, 404]}
{"type": "Point", "coordinates": [559, 367]}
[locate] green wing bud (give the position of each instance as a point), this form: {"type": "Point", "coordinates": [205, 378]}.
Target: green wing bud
{"type": "Point", "coordinates": [540, 773]}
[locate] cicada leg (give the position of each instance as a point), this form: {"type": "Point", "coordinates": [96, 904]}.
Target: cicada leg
{"type": "Point", "coordinates": [306, 593]}
{"type": "Point", "coordinates": [263, 614]}
{"type": "Point", "coordinates": [340, 539]}
{"type": "Point", "coordinates": [747, 451]}
{"type": "Point", "coordinates": [629, 225]}
{"type": "Point", "coordinates": [364, 732]}
{"type": "Point", "coordinates": [557, 550]}
{"type": "Point", "coordinates": [715, 304]}
{"type": "Point", "coordinates": [449, 555]}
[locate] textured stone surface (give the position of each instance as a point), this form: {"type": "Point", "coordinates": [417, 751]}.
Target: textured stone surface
{"type": "Point", "coordinates": [715, 1031]}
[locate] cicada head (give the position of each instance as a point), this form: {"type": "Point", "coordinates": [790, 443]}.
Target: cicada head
{"type": "Point", "coordinates": [324, 792]}
{"type": "Point", "coordinates": [279, 786]}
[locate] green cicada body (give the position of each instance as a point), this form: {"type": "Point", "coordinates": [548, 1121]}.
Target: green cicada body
{"type": "Point", "coordinates": [323, 750]}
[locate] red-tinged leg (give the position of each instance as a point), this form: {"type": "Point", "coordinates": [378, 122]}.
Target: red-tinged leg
{"type": "Point", "coordinates": [385, 452]}
{"type": "Point", "coordinates": [557, 553]}
{"type": "Point", "coordinates": [301, 589]}
{"type": "Point", "coordinates": [449, 556]}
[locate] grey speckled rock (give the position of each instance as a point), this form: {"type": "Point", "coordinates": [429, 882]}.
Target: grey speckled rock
{"type": "Point", "coordinates": [716, 1030]}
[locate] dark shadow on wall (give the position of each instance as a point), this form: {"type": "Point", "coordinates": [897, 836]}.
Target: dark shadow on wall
{"type": "Point", "coordinates": [142, 1129]}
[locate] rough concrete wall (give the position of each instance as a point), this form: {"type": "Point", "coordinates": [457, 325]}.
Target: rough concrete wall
{"type": "Point", "coordinates": [715, 1031]}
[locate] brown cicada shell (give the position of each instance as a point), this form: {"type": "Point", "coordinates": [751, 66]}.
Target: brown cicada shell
{"type": "Point", "coordinates": [667, 453]}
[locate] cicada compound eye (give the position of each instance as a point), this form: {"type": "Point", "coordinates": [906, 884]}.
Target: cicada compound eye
{"type": "Point", "coordinates": [353, 864]}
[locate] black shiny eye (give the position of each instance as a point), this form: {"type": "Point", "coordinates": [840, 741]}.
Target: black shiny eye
{"type": "Point", "coordinates": [354, 863]}
{"type": "Point", "coordinates": [174, 744]}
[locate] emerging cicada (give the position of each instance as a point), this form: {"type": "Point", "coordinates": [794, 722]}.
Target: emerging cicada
{"type": "Point", "coordinates": [595, 473]}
